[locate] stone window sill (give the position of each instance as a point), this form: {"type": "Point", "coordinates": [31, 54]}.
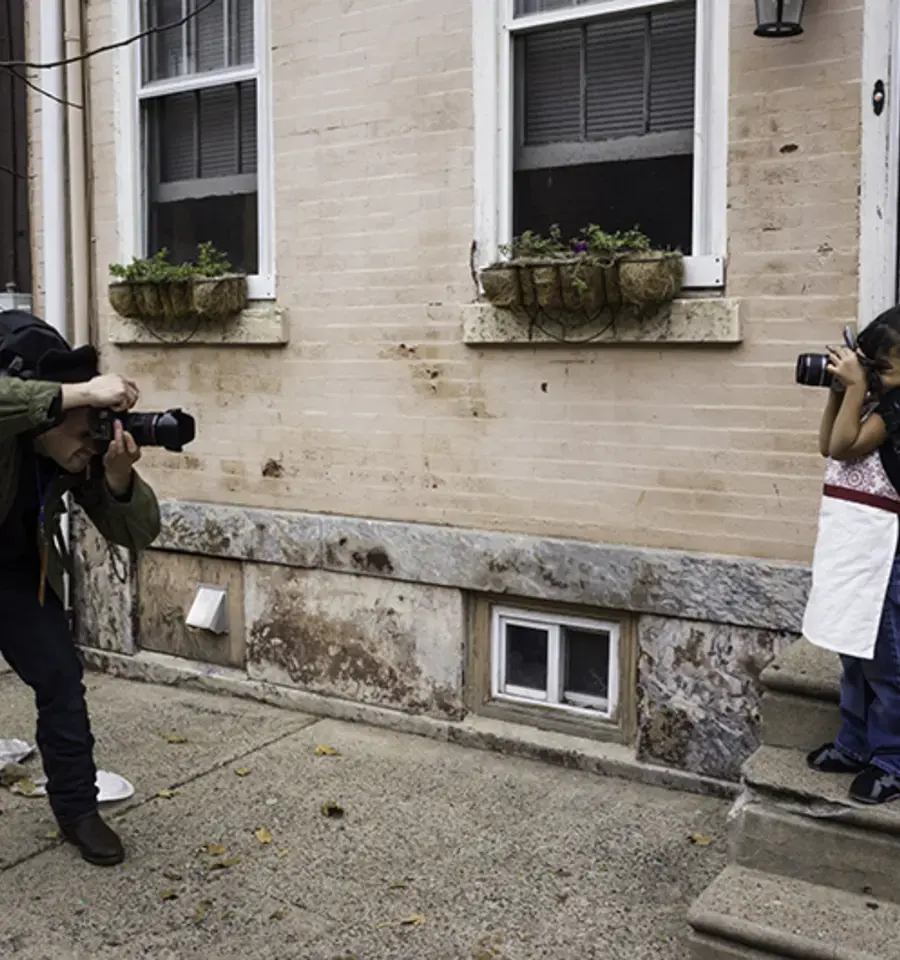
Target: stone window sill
{"type": "Point", "coordinates": [685, 321]}
{"type": "Point", "coordinates": [261, 324]}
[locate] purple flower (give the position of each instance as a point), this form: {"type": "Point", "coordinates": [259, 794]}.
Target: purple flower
{"type": "Point", "coordinates": [580, 246]}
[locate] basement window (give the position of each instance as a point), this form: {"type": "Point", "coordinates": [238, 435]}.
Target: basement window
{"type": "Point", "coordinates": [565, 663]}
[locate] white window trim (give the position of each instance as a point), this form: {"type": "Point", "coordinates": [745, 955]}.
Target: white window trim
{"type": "Point", "coordinates": [493, 28]}
{"type": "Point", "coordinates": [582, 705]}
{"type": "Point", "coordinates": [131, 179]}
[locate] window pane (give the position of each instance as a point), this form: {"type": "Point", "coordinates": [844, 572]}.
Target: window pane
{"type": "Point", "coordinates": [229, 222]}
{"type": "Point", "coordinates": [244, 30]}
{"type": "Point", "coordinates": [202, 134]}
{"type": "Point", "coordinates": [209, 36]}
{"type": "Point", "coordinates": [248, 127]}
{"type": "Point", "coordinates": [673, 53]}
{"type": "Point", "coordinates": [219, 132]}
{"type": "Point", "coordinates": [655, 195]}
{"type": "Point", "coordinates": [586, 662]}
{"type": "Point", "coordinates": [176, 117]}
{"type": "Point", "coordinates": [616, 64]}
{"type": "Point", "coordinates": [526, 657]}
{"type": "Point", "coordinates": [164, 54]}
{"type": "Point", "coordinates": [552, 96]}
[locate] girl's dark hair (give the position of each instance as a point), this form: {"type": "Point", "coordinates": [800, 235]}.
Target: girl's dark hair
{"type": "Point", "coordinates": [882, 336]}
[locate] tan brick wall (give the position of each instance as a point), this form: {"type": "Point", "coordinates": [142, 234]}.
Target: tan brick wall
{"type": "Point", "coordinates": [376, 409]}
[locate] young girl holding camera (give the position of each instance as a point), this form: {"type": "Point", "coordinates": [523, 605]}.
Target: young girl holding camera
{"type": "Point", "coordinates": [854, 605]}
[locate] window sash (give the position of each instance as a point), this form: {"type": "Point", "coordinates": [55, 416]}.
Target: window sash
{"type": "Point", "coordinates": [494, 31]}
{"type": "Point", "coordinates": [555, 695]}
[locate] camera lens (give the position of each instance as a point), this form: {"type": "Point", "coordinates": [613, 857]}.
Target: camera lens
{"type": "Point", "coordinates": [812, 370]}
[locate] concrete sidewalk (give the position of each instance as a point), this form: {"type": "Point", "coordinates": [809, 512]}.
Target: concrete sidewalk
{"type": "Point", "coordinates": [442, 853]}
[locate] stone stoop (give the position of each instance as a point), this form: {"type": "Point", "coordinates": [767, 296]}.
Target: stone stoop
{"type": "Point", "coordinates": [813, 875]}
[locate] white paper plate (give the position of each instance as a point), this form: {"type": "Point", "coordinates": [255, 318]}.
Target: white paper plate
{"type": "Point", "coordinates": [110, 787]}
{"type": "Point", "coordinates": [14, 751]}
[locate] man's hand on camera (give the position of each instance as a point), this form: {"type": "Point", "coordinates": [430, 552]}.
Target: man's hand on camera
{"type": "Point", "coordinates": [845, 366]}
{"type": "Point", "coordinates": [119, 461]}
{"type": "Point", "coordinates": [109, 391]}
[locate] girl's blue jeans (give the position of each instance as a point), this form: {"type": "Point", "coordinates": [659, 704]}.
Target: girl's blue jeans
{"type": "Point", "coordinates": [870, 693]}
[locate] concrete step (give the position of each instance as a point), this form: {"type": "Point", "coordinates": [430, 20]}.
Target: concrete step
{"type": "Point", "coordinates": [801, 824]}
{"type": "Point", "coordinates": [805, 671]}
{"type": "Point", "coordinates": [797, 722]}
{"type": "Point", "coordinates": [755, 915]}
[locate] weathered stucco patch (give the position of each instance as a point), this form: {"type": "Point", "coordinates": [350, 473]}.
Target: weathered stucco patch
{"type": "Point", "coordinates": [167, 586]}
{"type": "Point", "coordinates": [361, 638]}
{"type": "Point", "coordinates": [699, 692]}
{"type": "Point", "coordinates": [105, 606]}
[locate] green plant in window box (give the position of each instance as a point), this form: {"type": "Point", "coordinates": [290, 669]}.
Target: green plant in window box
{"type": "Point", "coordinates": [585, 275]}
{"type": "Point", "coordinates": [154, 290]}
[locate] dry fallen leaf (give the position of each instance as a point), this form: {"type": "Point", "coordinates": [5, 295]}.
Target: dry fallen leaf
{"type": "Point", "coordinates": [323, 751]}
{"type": "Point", "coordinates": [175, 738]}
{"type": "Point", "coordinates": [203, 908]}
{"type": "Point", "coordinates": [279, 914]}
{"type": "Point", "coordinates": [25, 786]}
{"type": "Point", "coordinates": [172, 875]}
{"type": "Point", "coordinates": [414, 921]}
{"type": "Point", "coordinates": [215, 849]}
{"type": "Point", "coordinates": [701, 840]}
{"type": "Point", "coordinates": [242, 771]}
{"type": "Point", "coordinates": [398, 885]}
{"type": "Point", "coordinates": [263, 835]}
{"type": "Point", "coordinates": [282, 853]}
{"type": "Point", "coordinates": [168, 895]}
{"type": "Point", "coordinates": [166, 794]}
{"type": "Point", "coordinates": [52, 835]}
{"type": "Point", "coordinates": [225, 864]}
{"type": "Point", "coordinates": [333, 810]}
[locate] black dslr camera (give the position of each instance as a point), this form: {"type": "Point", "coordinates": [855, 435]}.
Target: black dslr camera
{"type": "Point", "coordinates": [171, 429]}
{"type": "Point", "coordinates": [811, 367]}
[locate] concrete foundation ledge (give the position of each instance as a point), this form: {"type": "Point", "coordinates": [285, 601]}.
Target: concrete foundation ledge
{"type": "Point", "coordinates": [606, 759]}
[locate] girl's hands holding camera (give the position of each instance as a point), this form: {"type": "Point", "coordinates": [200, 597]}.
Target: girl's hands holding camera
{"type": "Point", "coordinates": [845, 366]}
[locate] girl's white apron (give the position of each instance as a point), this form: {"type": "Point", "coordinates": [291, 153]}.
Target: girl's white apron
{"type": "Point", "coordinates": [855, 551]}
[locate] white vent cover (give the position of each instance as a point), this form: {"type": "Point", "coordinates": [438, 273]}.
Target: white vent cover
{"type": "Point", "coordinates": [209, 610]}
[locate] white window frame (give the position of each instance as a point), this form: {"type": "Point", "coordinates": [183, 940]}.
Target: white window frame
{"type": "Point", "coordinates": [494, 31]}
{"type": "Point", "coordinates": [583, 704]}
{"type": "Point", "coordinates": [131, 173]}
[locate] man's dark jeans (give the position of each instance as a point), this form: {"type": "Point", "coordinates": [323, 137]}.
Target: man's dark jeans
{"type": "Point", "coordinates": [870, 693]}
{"type": "Point", "coordinates": [37, 643]}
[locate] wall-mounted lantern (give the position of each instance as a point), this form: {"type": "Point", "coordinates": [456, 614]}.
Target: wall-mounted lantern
{"type": "Point", "coordinates": [779, 18]}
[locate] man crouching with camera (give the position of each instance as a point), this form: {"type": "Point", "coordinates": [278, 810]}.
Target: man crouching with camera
{"type": "Point", "coordinates": [49, 396]}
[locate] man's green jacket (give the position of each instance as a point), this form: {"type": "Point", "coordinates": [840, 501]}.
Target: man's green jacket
{"type": "Point", "coordinates": [26, 407]}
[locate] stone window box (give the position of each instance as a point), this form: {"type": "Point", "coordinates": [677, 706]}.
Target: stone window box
{"type": "Point", "coordinates": [684, 321]}
{"type": "Point", "coordinates": [260, 324]}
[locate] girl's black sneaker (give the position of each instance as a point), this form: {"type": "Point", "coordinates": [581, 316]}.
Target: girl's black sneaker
{"type": "Point", "coordinates": [875, 786]}
{"type": "Point", "coordinates": [828, 759]}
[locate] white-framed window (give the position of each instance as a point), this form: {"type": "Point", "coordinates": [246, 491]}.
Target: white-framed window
{"type": "Point", "coordinates": [613, 112]}
{"type": "Point", "coordinates": [569, 663]}
{"type": "Point", "coordinates": [198, 118]}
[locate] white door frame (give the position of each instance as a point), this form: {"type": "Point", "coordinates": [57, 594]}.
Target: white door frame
{"type": "Point", "coordinates": [880, 162]}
